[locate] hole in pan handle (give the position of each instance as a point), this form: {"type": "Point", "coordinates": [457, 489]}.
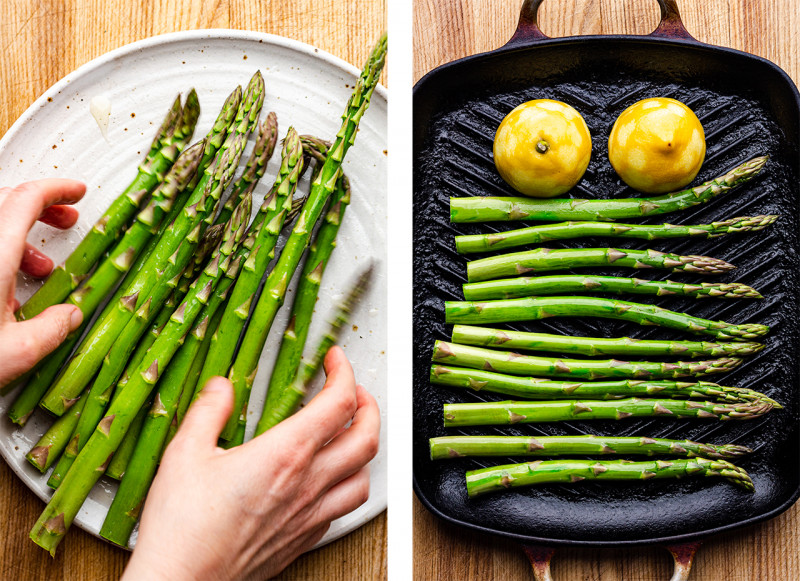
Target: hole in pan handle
{"type": "Point", "coordinates": [528, 31]}
{"type": "Point", "coordinates": [682, 555]}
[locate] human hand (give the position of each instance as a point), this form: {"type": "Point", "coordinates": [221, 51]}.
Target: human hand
{"type": "Point", "coordinates": [223, 514]}
{"type": "Point", "coordinates": [23, 344]}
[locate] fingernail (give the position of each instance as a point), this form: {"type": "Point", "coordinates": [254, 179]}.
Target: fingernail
{"type": "Point", "coordinates": [75, 319]}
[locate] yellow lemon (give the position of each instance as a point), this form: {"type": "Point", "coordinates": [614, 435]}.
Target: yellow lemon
{"type": "Point", "coordinates": [657, 145]}
{"type": "Point", "coordinates": [542, 148]}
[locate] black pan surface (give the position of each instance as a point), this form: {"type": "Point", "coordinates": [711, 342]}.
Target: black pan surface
{"type": "Point", "coordinates": [748, 107]}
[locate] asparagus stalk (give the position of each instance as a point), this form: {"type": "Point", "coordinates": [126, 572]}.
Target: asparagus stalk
{"type": "Point", "coordinates": [47, 370]}
{"type": "Point", "coordinates": [121, 458]}
{"type": "Point", "coordinates": [305, 297]}
{"type": "Point", "coordinates": [516, 412]}
{"type": "Point", "coordinates": [245, 365]}
{"type": "Point", "coordinates": [486, 337]}
{"type": "Point", "coordinates": [567, 471]}
{"type": "Point", "coordinates": [165, 263]}
{"type": "Point", "coordinates": [125, 508]}
{"type": "Point", "coordinates": [120, 261]}
{"type": "Point", "coordinates": [538, 388]}
{"type": "Point", "coordinates": [254, 168]}
{"type": "Point", "coordinates": [93, 459]}
{"type": "Point", "coordinates": [290, 397]}
{"type": "Point", "coordinates": [495, 208]}
{"type": "Point", "coordinates": [468, 244]}
{"type": "Point", "coordinates": [546, 259]}
{"type": "Point", "coordinates": [466, 446]}
{"type": "Point", "coordinates": [105, 384]}
{"type": "Point", "coordinates": [165, 132]}
{"type": "Point", "coordinates": [265, 231]}
{"type": "Point", "coordinates": [534, 308]}
{"type": "Point", "coordinates": [525, 286]}
{"type": "Point", "coordinates": [109, 227]}
{"type": "Point", "coordinates": [516, 364]}
{"type": "Point", "coordinates": [55, 439]}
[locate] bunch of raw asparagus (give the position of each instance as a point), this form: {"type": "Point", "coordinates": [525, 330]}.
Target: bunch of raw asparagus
{"type": "Point", "coordinates": [183, 269]}
{"type": "Point", "coordinates": [507, 288]}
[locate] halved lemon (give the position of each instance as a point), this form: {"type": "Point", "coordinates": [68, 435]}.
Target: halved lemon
{"type": "Point", "coordinates": [542, 148]}
{"type": "Point", "coordinates": [657, 145]}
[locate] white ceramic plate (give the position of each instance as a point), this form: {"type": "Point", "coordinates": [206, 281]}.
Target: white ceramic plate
{"type": "Point", "coordinates": [307, 88]}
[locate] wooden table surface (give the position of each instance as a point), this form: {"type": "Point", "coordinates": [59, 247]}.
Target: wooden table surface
{"type": "Point", "coordinates": [448, 29]}
{"type": "Point", "coordinates": [40, 42]}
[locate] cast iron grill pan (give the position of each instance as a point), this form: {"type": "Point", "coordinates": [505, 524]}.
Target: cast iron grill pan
{"type": "Point", "coordinates": [747, 109]}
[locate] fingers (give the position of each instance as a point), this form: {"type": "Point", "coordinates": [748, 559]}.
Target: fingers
{"type": "Point", "coordinates": [58, 216]}
{"type": "Point", "coordinates": [207, 415]}
{"type": "Point", "coordinates": [328, 412]}
{"type": "Point", "coordinates": [356, 446]}
{"type": "Point", "coordinates": [35, 263]}
{"type": "Point", "coordinates": [24, 205]}
{"type": "Point", "coordinates": [345, 497]}
{"type": "Point", "coordinates": [35, 338]}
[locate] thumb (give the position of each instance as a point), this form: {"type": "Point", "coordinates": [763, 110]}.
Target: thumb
{"type": "Point", "coordinates": [31, 340]}
{"type": "Point", "coordinates": [207, 415]}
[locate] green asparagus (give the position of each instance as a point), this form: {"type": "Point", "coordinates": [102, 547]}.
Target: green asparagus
{"type": "Point", "coordinates": [516, 412]}
{"type": "Point", "coordinates": [516, 364]}
{"type": "Point", "coordinates": [467, 244]}
{"type": "Point", "coordinates": [111, 224]}
{"type": "Point", "coordinates": [534, 308]}
{"type": "Point", "coordinates": [290, 397]}
{"type": "Point", "coordinates": [245, 365]}
{"type": "Point", "coordinates": [567, 471]}
{"type": "Point", "coordinates": [487, 337]}
{"type": "Point", "coordinates": [546, 259]}
{"type": "Point", "coordinates": [526, 286]}
{"type": "Point", "coordinates": [495, 208]}
{"type": "Point", "coordinates": [55, 439]}
{"type": "Point", "coordinates": [539, 388]}
{"type": "Point", "coordinates": [93, 460]}
{"type": "Point", "coordinates": [583, 445]}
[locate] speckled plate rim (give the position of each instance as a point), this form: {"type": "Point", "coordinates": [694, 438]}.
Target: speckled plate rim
{"type": "Point", "coordinates": [377, 502]}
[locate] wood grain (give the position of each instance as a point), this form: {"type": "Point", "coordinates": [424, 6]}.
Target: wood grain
{"type": "Point", "coordinates": [40, 42]}
{"type": "Point", "coordinates": [445, 30]}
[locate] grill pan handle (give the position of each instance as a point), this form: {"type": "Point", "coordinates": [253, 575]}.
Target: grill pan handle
{"type": "Point", "coordinates": [528, 31]}
{"type": "Point", "coordinates": [682, 555]}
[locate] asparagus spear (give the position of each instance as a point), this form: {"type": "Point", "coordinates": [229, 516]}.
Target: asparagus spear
{"type": "Point", "coordinates": [546, 259]}
{"type": "Point", "coordinates": [564, 471]}
{"type": "Point", "coordinates": [516, 412]}
{"type": "Point", "coordinates": [495, 208]}
{"type": "Point", "coordinates": [534, 308]}
{"type": "Point", "coordinates": [486, 337]}
{"type": "Point", "coordinates": [287, 402]}
{"type": "Point", "coordinates": [245, 365]}
{"type": "Point", "coordinates": [93, 459]}
{"type": "Point", "coordinates": [105, 384]}
{"type": "Point", "coordinates": [538, 388]}
{"type": "Point", "coordinates": [525, 286]}
{"type": "Point", "coordinates": [55, 439]}
{"type": "Point", "coordinates": [255, 167]}
{"type": "Point", "coordinates": [150, 284]}
{"type": "Point", "coordinates": [125, 508]}
{"type": "Point", "coordinates": [305, 297]}
{"type": "Point", "coordinates": [165, 132]}
{"type": "Point", "coordinates": [463, 446]}
{"type": "Point", "coordinates": [516, 364]}
{"type": "Point", "coordinates": [265, 231]}
{"type": "Point", "coordinates": [468, 244]}
{"type": "Point", "coordinates": [109, 227]}
{"type": "Point", "coordinates": [120, 261]}
{"type": "Point", "coordinates": [47, 370]}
